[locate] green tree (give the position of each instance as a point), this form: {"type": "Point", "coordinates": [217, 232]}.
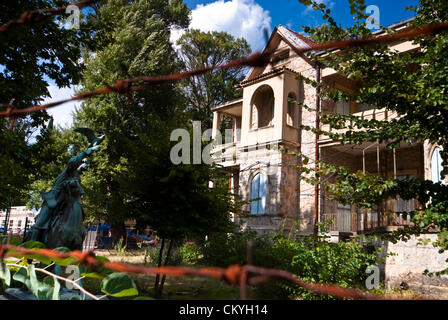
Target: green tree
{"type": "Point", "coordinates": [200, 49]}
{"type": "Point", "coordinates": [414, 86]}
{"type": "Point", "coordinates": [133, 176]}
{"type": "Point", "coordinates": [133, 43]}
{"type": "Point", "coordinates": [326, 32]}
{"type": "Point", "coordinates": [30, 56]}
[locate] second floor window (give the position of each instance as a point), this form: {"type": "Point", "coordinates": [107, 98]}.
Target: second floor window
{"type": "Point", "coordinates": [258, 194]}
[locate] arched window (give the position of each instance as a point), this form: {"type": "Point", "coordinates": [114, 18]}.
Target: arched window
{"type": "Point", "coordinates": [258, 194]}
{"type": "Point", "coordinates": [436, 165]}
{"type": "Point", "coordinates": [263, 102]}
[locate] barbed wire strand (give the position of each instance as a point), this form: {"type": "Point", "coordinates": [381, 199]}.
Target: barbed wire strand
{"type": "Point", "coordinates": [233, 275]}
{"type": "Point", "coordinates": [125, 86]}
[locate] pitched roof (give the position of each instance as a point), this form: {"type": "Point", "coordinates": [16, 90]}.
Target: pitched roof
{"type": "Point", "coordinates": [297, 38]}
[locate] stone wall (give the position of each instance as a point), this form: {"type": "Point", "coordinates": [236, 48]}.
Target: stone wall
{"type": "Point", "coordinates": [409, 263]}
{"type": "Point", "coordinates": [267, 162]}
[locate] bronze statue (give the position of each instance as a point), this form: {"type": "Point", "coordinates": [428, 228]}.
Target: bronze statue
{"type": "Point", "coordinates": [60, 220]}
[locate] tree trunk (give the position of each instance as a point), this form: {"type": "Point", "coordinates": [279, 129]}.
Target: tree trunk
{"type": "Point", "coordinates": [168, 255]}
{"type": "Point", "coordinates": [159, 264]}
{"type": "Point", "coordinates": [117, 231]}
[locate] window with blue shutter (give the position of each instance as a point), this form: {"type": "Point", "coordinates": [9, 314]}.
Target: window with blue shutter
{"type": "Point", "coordinates": [258, 194]}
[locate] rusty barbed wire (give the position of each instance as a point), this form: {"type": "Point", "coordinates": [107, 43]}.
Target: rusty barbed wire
{"type": "Point", "coordinates": [38, 15]}
{"type": "Point", "coordinates": [233, 275]}
{"type": "Point", "coordinates": [257, 59]}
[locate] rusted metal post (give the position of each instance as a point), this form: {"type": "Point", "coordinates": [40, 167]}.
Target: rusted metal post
{"type": "Point", "coordinates": [317, 153]}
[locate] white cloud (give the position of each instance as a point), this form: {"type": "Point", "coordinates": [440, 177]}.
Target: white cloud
{"type": "Point", "coordinates": [240, 18]}
{"type": "Point", "coordinates": [62, 114]}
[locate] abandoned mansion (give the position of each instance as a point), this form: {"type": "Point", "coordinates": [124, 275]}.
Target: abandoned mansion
{"type": "Point", "coordinates": [266, 122]}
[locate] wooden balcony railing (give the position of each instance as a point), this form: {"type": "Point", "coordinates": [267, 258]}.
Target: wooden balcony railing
{"type": "Point", "coordinates": [377, 114]}
{"type": "Point", "coordinates": [360, 219]}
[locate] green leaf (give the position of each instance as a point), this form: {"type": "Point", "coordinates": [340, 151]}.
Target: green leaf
{"type": "Point", "coordinates": [22, 276]}
{"type": "Point", "coordinates": [33, 245]}
{"type": "Point", "coordinates": [119, 284]}
{"type": "Point", "coordinates": [34, 283]}
{"type": "Point", "coordinates": [5, 275]}
{"type": "Point", "coordinates": [63, 261]}
{"type": "Point", "coordinates": [98, 273]}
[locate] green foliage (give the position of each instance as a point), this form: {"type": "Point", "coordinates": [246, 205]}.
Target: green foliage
{"type": "Point", "coordinates": [14, 240]}
{"type": "Point", "coordinates": [309, 258]}
{"type": "Point", "coordinates": [30, 56]}
{"type": "Point", "coordinates": [225, 249]}
{"type": "Point", "coordinates": [47, 289]}
{"type": "Point", "coordinates": [324, 262]}
{"type": "Point", "coordinates": [98, 272]}
{"type": "Point", "coordinates": [119, 248]}
{"type": "Point", "coordinates": [175, 259]}
{"type": "Point", "coordinates": [199, 49]}
{"type": "Point", "coordinates": [119, 285]}
{"type": "Point", "coordinates": [191, 253]}
{"type": "Point", "coordinates": [5, 275]}
{"type": "Point", "coordinates": [113, 284]}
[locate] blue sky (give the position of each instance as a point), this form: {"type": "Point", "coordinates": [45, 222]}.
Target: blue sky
{"type": "Point", "coordinates": [293, 14]}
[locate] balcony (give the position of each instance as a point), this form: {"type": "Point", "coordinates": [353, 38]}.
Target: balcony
{"type": "Point", "coordinates": [376, 114]}
{"type": "Point", "coordinates": [226, 154]}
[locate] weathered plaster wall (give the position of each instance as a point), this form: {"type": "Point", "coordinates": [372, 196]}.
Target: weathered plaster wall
{"type": "Point", "coordinates": [410, 262]}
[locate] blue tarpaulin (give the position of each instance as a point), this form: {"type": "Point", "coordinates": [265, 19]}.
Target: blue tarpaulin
{"type": "Point", "coordinates": [138, 236]}
{"type": "Point", "coordinates": [101, 227]}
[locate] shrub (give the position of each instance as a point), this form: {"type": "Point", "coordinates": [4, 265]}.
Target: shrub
{"type": "Point", "coordinates": [191, 253]}
{"type": "Point", "coordinates": [153, 254]}
{"type": "Point", "coordinates": [119, 248]}
{"type": "Point", "coordinates": [342, 263]}
{"type": "Point", "coordinates": [309, 258]}
{"type": "Point", "coordinates": [223, 250]}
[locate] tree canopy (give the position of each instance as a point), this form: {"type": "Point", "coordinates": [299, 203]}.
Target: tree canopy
{"type": "Point", "coordinates": [199, 49]}
{"type": "Point", "coordinates": [30, 56]}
